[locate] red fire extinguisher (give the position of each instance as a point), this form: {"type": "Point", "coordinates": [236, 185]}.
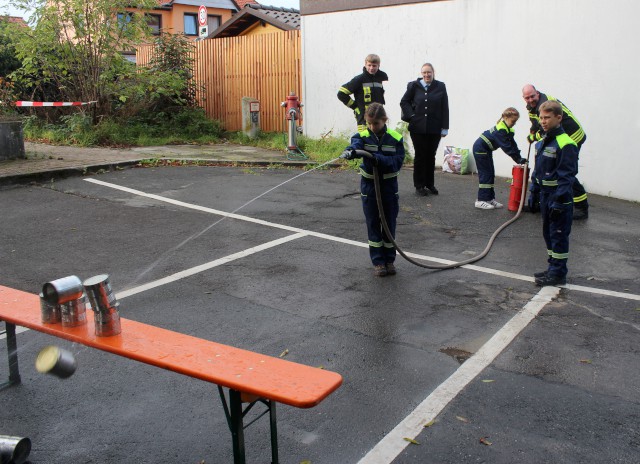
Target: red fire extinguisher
{"type": "Point", "coordinates": [519, 173]}
{"type": "Point", "coordinates": [293, 113]}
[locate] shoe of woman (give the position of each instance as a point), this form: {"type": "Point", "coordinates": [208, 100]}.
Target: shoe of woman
{"type": "Point", "coordinates": [496, 205]}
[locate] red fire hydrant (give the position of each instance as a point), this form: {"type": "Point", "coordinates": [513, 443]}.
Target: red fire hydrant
{"type": "Point", "coordinates": [292, 107]}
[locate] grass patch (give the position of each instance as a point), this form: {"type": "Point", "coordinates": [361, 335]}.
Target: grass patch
{"type": "Point", "coordinates": [318, 150]}
{"type": "Point", "coordinates": [190, 126]}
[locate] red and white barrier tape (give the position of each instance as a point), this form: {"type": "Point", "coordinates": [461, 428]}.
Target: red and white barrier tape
{"type": "Point", "coordinates": [36, 103]}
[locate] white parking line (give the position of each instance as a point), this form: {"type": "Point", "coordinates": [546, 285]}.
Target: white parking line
{"type": "Point", "coordinates": [394, 442]}
{"type": "Point", "coordinates": [486, 270]}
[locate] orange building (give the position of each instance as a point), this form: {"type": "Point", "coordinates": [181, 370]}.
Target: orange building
{"type": "Point", "coordinates": [181, 16]}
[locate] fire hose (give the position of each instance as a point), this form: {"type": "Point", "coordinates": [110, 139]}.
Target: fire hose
{"type": "Point", "coordinates": [383, 220]}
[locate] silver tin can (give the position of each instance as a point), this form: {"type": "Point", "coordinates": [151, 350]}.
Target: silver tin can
{"type": "Point", "coordinates": [104, 304]}
{"type": "Point", "coordinates": [56, 361]}
{"type": "Point", "coordinates": [107, 322]}
{"type": "Point", "coordinates": [74, 312]}
{"type": "Point", "coordinates": [62, 290]}
{"type": "Point", "coordinates": [14, 449]}
{"type": "Point", "coordinates": [51, 314]}
{"type": "Point", "coordinates": [99, 291]}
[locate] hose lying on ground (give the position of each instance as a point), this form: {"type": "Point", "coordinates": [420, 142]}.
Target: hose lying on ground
{"type": "Point", "coordinates": [383, 219]}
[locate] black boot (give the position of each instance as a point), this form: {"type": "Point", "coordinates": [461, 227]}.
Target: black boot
{"type": "Point", "coordinates": [580, 212]}
{"type": "Point", "coordinates": [549, 279]}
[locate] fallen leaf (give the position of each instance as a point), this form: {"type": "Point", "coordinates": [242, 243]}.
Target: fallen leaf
{"type": "Point", "coordinates": [585, 361]}
{"type": "Point", "coordinates": [463, 419]}
{"type": "Point", "coordinates": [429, 424]}
{"type": "Point", "coordinates": [637, 309]}
{"type": "Point", "coordinates": [305, 462]}
{"type": "Point", "coordinates": [284, 353]}
{"type": "Point", "coordinates": [411, 440]}
{"type": "Point", "coordinates": [484, 441]}
{"type": "Point", "coordinates": [488, 381]}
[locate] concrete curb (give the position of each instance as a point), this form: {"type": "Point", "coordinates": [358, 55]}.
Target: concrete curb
{"type": "Point", "coordinates": [61, 173]}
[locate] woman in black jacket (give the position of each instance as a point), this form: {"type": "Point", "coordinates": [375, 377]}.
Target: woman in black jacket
{"type": "Point", "coordinates": [425, 106]}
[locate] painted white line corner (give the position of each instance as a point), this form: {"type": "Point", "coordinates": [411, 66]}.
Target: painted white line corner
{"type": "Point", "coordinates": [394, 442]}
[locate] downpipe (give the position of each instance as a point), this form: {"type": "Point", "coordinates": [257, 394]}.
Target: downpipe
{"type": "Point", "coordinates": [383, 219]}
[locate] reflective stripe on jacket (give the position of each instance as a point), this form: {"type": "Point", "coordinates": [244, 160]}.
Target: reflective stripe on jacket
{"type": "Point", "coordinates": [388, 151]}
{"type": "Point", "coordinates": [366, 89]}
{"type": "Point", "coordinates": [556, 165]}
{"type": "Point", "coordinates": [570, 123]}
{"type": "Point", "coordinates": [501, 136]}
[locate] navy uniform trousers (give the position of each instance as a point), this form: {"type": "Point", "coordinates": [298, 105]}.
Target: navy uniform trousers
{"type": "Point", "coordinates": [486, 171]}
{"type": "Point", "coordinates": [381, 250]}
{"type": "Point", "coordinates": [556, 233]}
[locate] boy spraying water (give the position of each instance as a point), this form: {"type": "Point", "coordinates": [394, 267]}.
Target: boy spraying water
{"type": "Point", "coordinates": [387, 155]}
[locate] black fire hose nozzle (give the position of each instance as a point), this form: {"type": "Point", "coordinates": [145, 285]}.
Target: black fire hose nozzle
{"type": "Point", "coordinates": [364, 154]}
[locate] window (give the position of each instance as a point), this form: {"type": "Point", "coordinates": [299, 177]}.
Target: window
{"type": "Point", "coordinates": [154, 21]}
{"type": "Point", "coordinates": [213, 23]}
{"type": "Point", "coordinates": [191, 24]}
{"type": "Point", "coordinates": [124, 19]}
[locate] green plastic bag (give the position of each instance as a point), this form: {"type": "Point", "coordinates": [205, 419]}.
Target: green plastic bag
{"type": "Point", "coordinates": [457, 160]}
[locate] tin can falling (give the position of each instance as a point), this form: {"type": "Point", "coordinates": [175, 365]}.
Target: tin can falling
{"type": "Point", "coordinates": [56, 361]}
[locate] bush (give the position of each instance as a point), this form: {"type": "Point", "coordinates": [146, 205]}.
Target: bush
{"type": "Point", "coordinates": [188, 125]}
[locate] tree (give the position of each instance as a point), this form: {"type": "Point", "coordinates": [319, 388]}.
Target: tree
{"type": "Point", "coordinates": [75, 43]}
{"type": "Point", "coordinates": [9, 62]}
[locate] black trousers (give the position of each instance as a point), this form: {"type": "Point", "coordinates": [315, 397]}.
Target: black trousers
{"type": "Point", "coordinates": [579, 193]}
{"type": "Point", "coordinates": [424, 164]}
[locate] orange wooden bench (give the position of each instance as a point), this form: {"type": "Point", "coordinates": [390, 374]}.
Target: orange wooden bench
{"type": "Point", "coordinates": [250, 377]}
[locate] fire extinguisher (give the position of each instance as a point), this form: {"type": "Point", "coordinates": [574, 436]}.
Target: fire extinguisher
{"type": "Point", "coordinates": [519, 173]}
{"type": "Point", "coordinates": [293, 114]}
{"type": "Point", "coordinates": [520, 180]}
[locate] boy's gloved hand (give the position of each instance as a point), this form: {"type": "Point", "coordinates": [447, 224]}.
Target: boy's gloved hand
{"type": "Point", "coordinates": [349, 154]}
{"type": "Point", "coordinates": [531, 138]}
{"type": "Point", "coordinates": [533, 204]}
{"type": "Point", "coordinates": [522, 161]}
{"type": "Point", "coordinates": [556, 213]}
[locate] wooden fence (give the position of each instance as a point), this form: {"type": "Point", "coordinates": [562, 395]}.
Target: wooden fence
{"type": "Point", "coordinates": [266, 67]}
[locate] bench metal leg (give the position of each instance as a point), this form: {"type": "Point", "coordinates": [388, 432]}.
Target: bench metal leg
{"type": "Point", "coordinates": [274, 431]}
{"type": "Point", "coordinates": [237, 429]}
{"type": "Point", "coordinates": [12, 354]}
{"type": "Point", "coordinates": [235, 415]}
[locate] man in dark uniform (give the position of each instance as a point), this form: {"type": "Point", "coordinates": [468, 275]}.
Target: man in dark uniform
{"type": "Point", "coordinates": [573, 129]}
{"type": "Point", "coordinates": [366, 89]}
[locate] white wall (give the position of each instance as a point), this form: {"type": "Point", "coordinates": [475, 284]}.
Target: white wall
{"type": "Point", "coordinates": [584, 52]}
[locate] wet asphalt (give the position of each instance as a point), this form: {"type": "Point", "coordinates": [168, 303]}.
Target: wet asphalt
{"type": "Point", "coordinates": [567, 389]}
